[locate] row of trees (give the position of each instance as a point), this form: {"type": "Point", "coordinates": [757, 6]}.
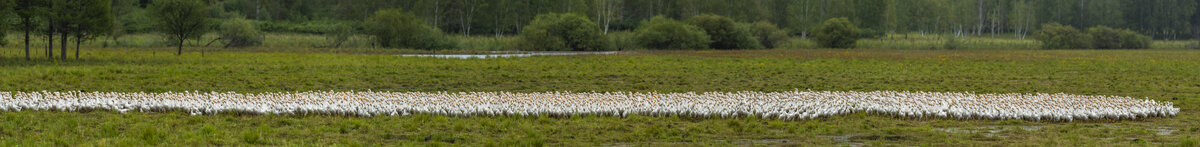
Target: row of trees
{"type": "Point", "coordinates": [574, 32]}
{"type": "Point", "coordinates": [84, 20]}
{"type": "Point", "coordinates": [79, 19]}
{"type": "Point", "coordinates": [1166, 19]}
{"type": "Point", "coordinates": [574, 24]}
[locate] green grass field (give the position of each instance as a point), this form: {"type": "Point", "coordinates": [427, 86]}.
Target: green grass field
{"type": "Point", "coordinates": [1165, 75]}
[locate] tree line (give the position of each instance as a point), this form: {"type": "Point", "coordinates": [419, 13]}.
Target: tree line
{"type": "Point", "coordinates": [83, 20]}
{"type": "Point", "coordinates": [1163, 19]}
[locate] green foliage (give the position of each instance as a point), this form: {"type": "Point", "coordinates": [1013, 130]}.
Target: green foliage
{"type": "Point", "coordinates": [769, 35]}
{"type": "Point", "coordinates": [869, 33]}
{"type": "Point", "coordinates": [952, 43]}
{"type": "Point", "coordinates": [562, 32]}
{"type": "Point", "coordinates": [395, 28]}
{"type": "Point", "coordinates": [136, 21]}
{"type": "Point", "coordinates": [6, 8]}
{"type": "Point", "coordinates": [181, 19]}
{"type": "Point", "coordinates": [1058, 36]}
{"type": "Point", "coordinates": [725, 33]}
{"type": "Point", "coordinates": [96, 19]}
{"type": "Point", "coordinates": [665, 33]}
{"type": "Point", "coordinates": [238, 32]}
{"type": "Point", "coordinates": [339, 34]}
{"type": "Point", "coordinates": [836, 33]}
{"type": "Point", "coordinates": [1104, 37]}
{"type": "Point", "coordinates": [622, 40]}
{"type": "Point", "coordinates": [311, 27]}
{"type": "Point", "coordinates": [3, 34]}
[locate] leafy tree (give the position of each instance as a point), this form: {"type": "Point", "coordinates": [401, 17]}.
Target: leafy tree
{"type": "Point", "coordinates": [181, 19]}
{"type": "Point", "coordinates": [95, 19]}
{"type": "Point", "coordinates": [768, 34]}
{"type": "Point", "coordinates": [238, 32]}
{"type": "Point", "coordinates": [562, 31]}
{"type": "Point", "coordinates": [5, 9]}
{"type": "Point", "coordinates": [725, 33]}
{"type": "Point", "coordinates": [395, 28]}
{"type": "Point", "coordinates": [1058, 36]}
{"type": "Point", "coordinates": [664, 33]}
{"type": "Point", "coordinates": [836, 33]}
{"type": "Point", "coordinates": [26, 10]}
{"type": "Point", "coordinates": [1108, 38]}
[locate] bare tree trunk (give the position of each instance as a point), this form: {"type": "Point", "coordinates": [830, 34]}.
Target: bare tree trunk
{"type": "Point", "coordinates": [979, 12]}
{"type": "Point", "coordinates": [78, 39]}
{"type": "Point", "coordinates": [471, 16]}
{"type": "Point", "coordinates": [257, 10]}
{"type": "Point", "coordinates": [437, 13]}
{"type": "Point", "coordinates": [27, 28]}
{"type": "Point", "coordinates": [824, 8]}
{"type": "Point", "coordinates": [64, 45]}
{"type": "Point", "coordinates": [179, 51]}
{"type": "Point", "coordinates": [50, 40]}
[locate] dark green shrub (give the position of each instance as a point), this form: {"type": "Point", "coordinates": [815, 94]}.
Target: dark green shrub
{"type": "Point", "coordinates": [1108, 38]}
{"type": "Point", "coordinates": [273, 26]}
{"type": "Point", "coordinates": [621, 40]}
{"type": "Point", "coordinates": [238, 32]}
{"type": "Point", "coordinates": [395, 28]}
{"type": "Point", "coordinates": [952, 43]}
{"type": "Point", "coordinates": [136, 21]}
{"type": "Point", "coordinates": [725, 33]}
{"type": "Point", "coordinates": [562, 32]}
{"type": "Point", "coordinates": [769, 35]}
{"type": "Point", "coordinates": [310, 27]}
{"type": "Point", "coordinates": [664, 33]}
{"type": "Point", "coordinates": [836, 33]}
{"type": "Point", "coordinates": [1058, 36]}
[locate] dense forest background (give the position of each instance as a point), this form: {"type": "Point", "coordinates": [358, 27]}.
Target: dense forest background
{"type": "Point", "coordinates": [1161, 19]}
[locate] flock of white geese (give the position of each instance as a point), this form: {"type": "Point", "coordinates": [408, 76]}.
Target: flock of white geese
{"type": "Point", "coordinates": [787, 105]}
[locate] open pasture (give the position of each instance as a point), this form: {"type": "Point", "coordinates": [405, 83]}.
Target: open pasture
{"type": "Point", "coordinates": [1159, 75]}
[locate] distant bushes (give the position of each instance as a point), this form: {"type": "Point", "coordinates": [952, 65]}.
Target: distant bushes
{"type": "Point", "coordinates": [394, 28]}
{"type": "Point", "coordinates": [562, 32]}
{"type": "Point", "coordinates": [1058, 36]}
{"type": "Point", "coordinates": [1108, 38]}
{"type": "Point", "coordinates": [310, 27]}
{"type": "Point", "coordinates": [665, 33]}
{"type": "Point", "coordinates": [769, 35]}
{"type": "Point", "coordinates": [622, 40]}
{"type": "Point", "coordinates": [708, 31]}
{"type": "Point", "coordinates": [725, 33]}
{"type": "Point", "coordinates": [240, 32]}
{"type": "Point", "coordinates": [836, 33]}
